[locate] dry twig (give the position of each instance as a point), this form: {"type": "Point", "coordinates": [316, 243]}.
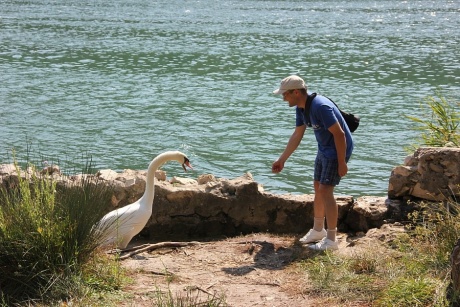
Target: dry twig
{"type": "Point", "coordinates": [148, 247]}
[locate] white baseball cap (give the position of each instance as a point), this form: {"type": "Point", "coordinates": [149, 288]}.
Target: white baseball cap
{"type": "Point", "coordinates": [290, 83]}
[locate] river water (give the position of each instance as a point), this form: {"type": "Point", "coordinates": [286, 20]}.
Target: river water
{"type": "Point", "coordinates": [124, 80]}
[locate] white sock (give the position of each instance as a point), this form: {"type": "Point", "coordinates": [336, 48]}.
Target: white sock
{"type": "Point", "coordinates": [331, 234]}
{"type": "Point", "coordinates": [318, 223]}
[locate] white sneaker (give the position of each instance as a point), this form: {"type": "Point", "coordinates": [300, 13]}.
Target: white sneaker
{"type": "Point", "coordinates": [324, 244]}
{"type": "Point", "coordinates": [313, 236]}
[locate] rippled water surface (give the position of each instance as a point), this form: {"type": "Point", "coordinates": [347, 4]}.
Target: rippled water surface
{"type": "Point", "coordinates": [125, 80]}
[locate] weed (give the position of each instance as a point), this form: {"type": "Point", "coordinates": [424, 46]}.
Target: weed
{"type": "Point", "coordinates": [343, 279]}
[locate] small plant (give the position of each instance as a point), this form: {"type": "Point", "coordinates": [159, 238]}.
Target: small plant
{"type": "Point", "coordinates": [440, 127]}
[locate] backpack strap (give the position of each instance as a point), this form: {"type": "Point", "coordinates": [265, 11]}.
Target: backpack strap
{"type": "Point", "coordinates": [307, 108]}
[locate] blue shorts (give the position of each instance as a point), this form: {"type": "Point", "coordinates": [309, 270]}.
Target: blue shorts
{"type": "Point", "coordinates": [326, 170]}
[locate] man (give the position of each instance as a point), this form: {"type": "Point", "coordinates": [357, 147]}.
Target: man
{"type": "Point", "coordinates": [335, 145]}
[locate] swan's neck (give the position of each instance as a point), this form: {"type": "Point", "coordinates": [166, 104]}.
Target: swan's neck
{"type": "Point", "coordinates": [149, 193]}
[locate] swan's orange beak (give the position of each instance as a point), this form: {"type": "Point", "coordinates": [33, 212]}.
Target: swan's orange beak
{"type": "Point", "coordinates": [186, 163]}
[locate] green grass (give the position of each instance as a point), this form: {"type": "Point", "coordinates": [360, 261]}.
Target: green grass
{"type": "Point", "coordinates": [341, 279]}
{"type": "Point", "coordinates": [410, 292]}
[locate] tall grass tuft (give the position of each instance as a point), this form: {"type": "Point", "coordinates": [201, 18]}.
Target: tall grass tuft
{"type": "Point", "coordinates": [168, 299]}
{"type": "Point", "coordinates": [46, 235]}
{"type": "Point", "coordinates": [440, 128]}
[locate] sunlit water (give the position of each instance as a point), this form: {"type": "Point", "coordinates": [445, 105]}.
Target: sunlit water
{"type": "Point", "coordinates": [124, 81]}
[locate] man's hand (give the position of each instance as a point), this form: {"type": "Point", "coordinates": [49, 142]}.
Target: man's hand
{"type": "Point", "coordinates": [342, 169]}
{"type": "Point", "coordinates": [277, 166]}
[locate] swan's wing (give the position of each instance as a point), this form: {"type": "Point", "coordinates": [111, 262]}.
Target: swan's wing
{"type": "Point", "coordinates": [118, 227]}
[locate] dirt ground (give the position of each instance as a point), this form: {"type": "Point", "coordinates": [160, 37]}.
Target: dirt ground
{"type": "Point", "coordinates": [252, 270]}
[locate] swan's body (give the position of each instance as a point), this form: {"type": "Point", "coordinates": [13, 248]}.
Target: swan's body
{"type": "Point", "coordinates": [118, 227]}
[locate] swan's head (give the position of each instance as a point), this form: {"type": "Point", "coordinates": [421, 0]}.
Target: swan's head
{"type": "Point", "coordinates": [183, 160]}
{"type": "Point", "coordinates": [186, 163]}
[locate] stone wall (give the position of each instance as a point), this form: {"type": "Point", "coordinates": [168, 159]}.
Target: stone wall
{"type": "Point", "coordinates": [209, 206]}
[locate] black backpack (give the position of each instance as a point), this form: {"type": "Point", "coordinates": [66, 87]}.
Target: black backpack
{"type": "Point", "coordinates": [351, 119]}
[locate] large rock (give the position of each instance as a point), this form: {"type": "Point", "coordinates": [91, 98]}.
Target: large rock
{"type": "Point", "coordinates": [431, 173]}
{"type": "Point", "coordinates": [372, 212]}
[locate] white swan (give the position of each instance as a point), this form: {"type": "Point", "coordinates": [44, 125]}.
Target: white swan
{"type": "Point", "coordinates": [118, 227]}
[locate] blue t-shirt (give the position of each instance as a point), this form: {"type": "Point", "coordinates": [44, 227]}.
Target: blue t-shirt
{"type": "Point", "coordinates": [323, 114]}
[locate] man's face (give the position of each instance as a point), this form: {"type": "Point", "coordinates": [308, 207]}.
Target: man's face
{"type": "Point", "coordinates": [291, 96]}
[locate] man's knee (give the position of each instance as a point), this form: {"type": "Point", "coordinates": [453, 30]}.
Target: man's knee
{"type": "Point", "coordinates": [325, 189]}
